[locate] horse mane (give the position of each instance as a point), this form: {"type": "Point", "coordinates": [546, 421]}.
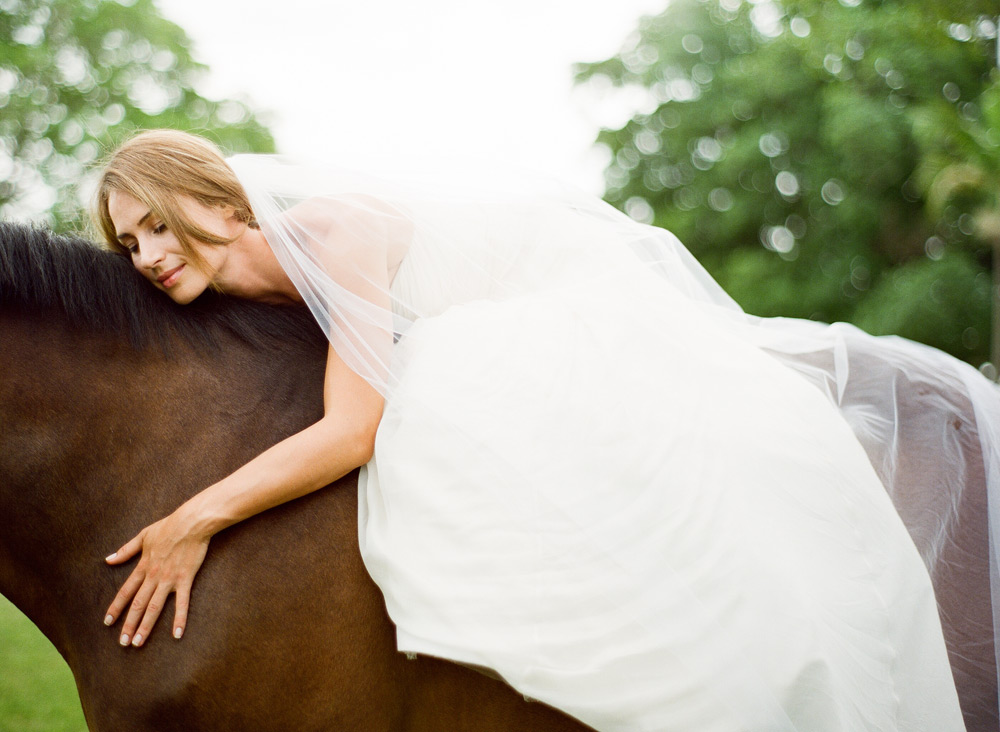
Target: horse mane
{"type": "Point", "coordinates": [100, 290]}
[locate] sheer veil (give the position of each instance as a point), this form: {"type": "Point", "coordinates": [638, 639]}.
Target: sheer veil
{"type": "Point", "coordinates": [507, 238]}
{"type": "Point", "coordinates": [354, 244]}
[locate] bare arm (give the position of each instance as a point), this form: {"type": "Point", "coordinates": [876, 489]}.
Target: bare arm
{"type": "Point", "coordinates": [173, 549]}
{"type": "Point", "coordinates": [326, 450]}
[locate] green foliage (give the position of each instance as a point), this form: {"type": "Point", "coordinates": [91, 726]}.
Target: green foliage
{"type": "Point", "coordinates": [961, 168]}
{"type": "Point", "coordinates": [925, 299]}
{"type": "Point", "coordinates": [76, 77]}
{"type": "Point", "coordinates": [792, 145]}
{"type": "Point", "coordinates": [37, 693]}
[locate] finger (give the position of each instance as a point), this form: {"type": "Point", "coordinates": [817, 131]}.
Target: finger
{"type": "Point", "coordinates": [124, 596]}
{"type": "Point", "coordinates": [129, 550]}
{"type": "Point", "coordinates": [136, 610]}
{"type": "Point", "coordinates": [182, 600]}
{"type": "Point", "coordinates": [153, 610]}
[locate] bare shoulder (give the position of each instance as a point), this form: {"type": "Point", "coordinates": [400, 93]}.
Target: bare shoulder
{"type": "Point", "coordinates": [347, 222]}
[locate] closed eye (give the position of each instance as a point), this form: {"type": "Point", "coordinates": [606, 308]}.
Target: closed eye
{"type": "Point", "coordinates": [159, 228]}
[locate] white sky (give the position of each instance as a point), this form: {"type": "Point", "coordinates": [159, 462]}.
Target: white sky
{"type": "Point", "coordinates": [347, 81]}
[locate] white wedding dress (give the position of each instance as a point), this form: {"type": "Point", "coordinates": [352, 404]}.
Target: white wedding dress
{"type": "Point", "coordinates": [591, 478]}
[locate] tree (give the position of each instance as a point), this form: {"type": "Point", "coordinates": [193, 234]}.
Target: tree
{"type": "Point", "coordinates": [782, 142]}
{"type": "Point", "coordinates": [960, 174]}
{"type": "Point", "coordinates": [76, 77]}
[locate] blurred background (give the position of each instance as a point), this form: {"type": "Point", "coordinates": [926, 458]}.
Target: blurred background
{"type": "Point", "coordinates": [826, 159]}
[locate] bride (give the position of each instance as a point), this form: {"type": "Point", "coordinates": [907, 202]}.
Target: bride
{"type": "Point", "coordinates": [582, 466]}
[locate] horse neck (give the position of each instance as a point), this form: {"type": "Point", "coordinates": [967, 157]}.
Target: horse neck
{"type": "Point", "coordinates": [98, 440]}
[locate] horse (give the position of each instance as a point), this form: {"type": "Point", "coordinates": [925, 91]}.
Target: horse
{"type": "Point", "coordinates": [116, 405]}
{"type": "Point", "coordinates": [950, 528]}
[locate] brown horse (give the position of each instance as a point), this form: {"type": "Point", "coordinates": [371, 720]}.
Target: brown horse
{"type": "Point", "coordinates": [932, 401]}
{"type": "Point", "coordinates": [116, 405]}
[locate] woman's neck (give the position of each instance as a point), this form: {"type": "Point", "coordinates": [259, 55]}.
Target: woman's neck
{"type": "Point", "coordinates": [252, 271]}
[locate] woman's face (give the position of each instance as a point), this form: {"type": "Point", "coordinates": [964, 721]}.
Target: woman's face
{"type": "Point", "coordinates": [156, 251]}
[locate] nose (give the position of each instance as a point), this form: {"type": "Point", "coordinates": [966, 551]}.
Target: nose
{"type": "Point", "coordinates": [150, 255]}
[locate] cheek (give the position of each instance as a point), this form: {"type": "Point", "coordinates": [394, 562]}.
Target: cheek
{"type": "Point", "coordinates": [212, 258]}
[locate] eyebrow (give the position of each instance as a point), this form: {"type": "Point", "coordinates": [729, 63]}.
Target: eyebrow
{"type": "Point", "coordinates": [138, 223]}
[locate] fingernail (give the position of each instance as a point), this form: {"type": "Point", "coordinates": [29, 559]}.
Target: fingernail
{"type": "Point", "coordinates": [124, 639]}
{"type": "Point", "coordinates": [110, 557]}
{"type": "Point", "coordinates": [178, 632]}
{"type": "Point", "coordinates": [137, 641]}
{"type": "Point", "coordinates": [108, 620]}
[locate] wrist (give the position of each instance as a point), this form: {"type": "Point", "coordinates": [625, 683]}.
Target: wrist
{"type": "Point", "coordinates": [200, 517]}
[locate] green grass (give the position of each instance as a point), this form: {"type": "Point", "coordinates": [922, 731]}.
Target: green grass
{"type": "Point", "coordinates": [37, 693]}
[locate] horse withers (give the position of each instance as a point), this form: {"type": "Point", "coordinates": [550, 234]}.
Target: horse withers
{"type": "Point", "coordinates": [115, 406]}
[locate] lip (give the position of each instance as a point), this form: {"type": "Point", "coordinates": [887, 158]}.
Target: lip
{"type": "Point", "coordinates": [169, 278]}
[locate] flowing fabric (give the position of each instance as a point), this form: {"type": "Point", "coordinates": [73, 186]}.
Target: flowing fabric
{"type": "Point", "coordinates": [598, 477]}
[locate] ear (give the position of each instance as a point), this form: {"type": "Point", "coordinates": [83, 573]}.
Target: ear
{"type": "Point", "coordinates": [229, 215]}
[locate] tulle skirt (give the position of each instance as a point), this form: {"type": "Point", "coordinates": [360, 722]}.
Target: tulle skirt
{"type": "Point", "coordinates": [636, 516]}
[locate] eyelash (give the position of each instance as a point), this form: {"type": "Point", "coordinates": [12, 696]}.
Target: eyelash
{"type": "Point", "coordinates": [134, 248]}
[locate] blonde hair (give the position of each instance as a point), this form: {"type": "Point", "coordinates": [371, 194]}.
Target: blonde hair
{"type": "Point", "coordinates": [160, 167]}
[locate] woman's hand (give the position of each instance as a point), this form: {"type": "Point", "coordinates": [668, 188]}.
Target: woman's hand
{"type": "Point", "coordinates": [172, 552]}
{"type": "Point", "coordinates": [174, 548]}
